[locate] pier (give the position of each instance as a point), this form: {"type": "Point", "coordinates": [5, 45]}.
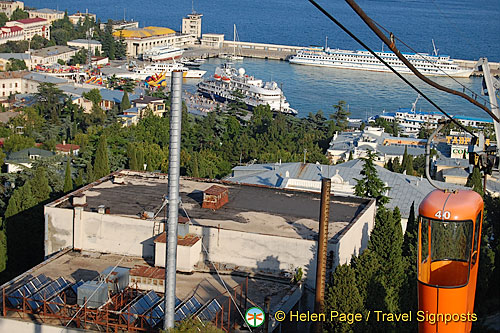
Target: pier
{"type": "Point", "coordinates": [283, 52]}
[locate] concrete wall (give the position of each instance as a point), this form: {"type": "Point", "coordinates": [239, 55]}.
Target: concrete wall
{"type": "Point", "coordinates": [354, 239]}
{"type": "Point", "coordinates": [14, 325]}
{"type": "Point", "coordinates": [187, 256]}
{"type": "Point", "coordinates": [97, 232]}
{"type": "Point", "coordinates": [58, 229]}
{"type": "Point", "coordinates": [260, 253]}
{"type": "Point", "coordinates": [233, 249]}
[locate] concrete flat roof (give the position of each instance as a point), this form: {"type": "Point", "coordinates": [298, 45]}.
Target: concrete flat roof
{"type": "Point", "coordinates": [254, 209]}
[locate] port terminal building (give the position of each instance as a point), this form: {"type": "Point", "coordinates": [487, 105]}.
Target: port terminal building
{"type": "Point", "coordinates": [254, 238]}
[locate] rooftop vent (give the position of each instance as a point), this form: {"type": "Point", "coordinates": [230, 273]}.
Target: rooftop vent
{"type": "Point", "coordinates": [215, 197]}
{"type": "Point", "coordinates": [80, 200]}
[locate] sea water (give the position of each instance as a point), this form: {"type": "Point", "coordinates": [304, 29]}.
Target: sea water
{"type": "Point", "coordinates": [463, 29]}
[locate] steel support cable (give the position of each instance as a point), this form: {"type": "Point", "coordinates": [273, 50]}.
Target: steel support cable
{"type": "Point", "coordinates": [430, 62]}
{"type": "Point", "coordinates": [347, 31]}
{"type": "Point", "coordinates": [216, 271]}
{"type": "Point", "coordinates": [370, 23]}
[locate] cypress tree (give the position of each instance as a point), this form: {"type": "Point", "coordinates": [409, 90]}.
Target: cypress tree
{"type": "Point", "coordinates": [125, 104]}
{"type": "Point", "coordinates": [342, 294]}
{"type": "Point", "coordinates": [132, 157]}
{"type": "Point", "coordinates": [370, 186]}
{"type": "Point", "coordinates": [79, 180]}
{"type": "Point", "coordinates": [40, 185]}
{"type": "Point", "coordinates": [90, 173]}
{"type": "Point", "coordinates": [68, 182]}
{"type": "Point", "coordinates": [350, 156]}
{"type": "Point", "coordinates": [409, 166]}
{"type": "Point", "coordinates": [140, 159]}
{"type": "Point", "coordinates": [101, 162]}
{"type": "Point", "coordinates": [3, 250]}
{"type": "Point", "coordinates": [475, 182]}
{"type": "Point", "coordinates": [408, 292]}
{"type": "Point", "coordinates": [404, 162]}
{"type": "Point", "coordinates": [386, 241]}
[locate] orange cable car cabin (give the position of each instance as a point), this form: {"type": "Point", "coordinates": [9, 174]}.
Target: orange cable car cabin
{"type": "Point", "coordinates": [449, 236]}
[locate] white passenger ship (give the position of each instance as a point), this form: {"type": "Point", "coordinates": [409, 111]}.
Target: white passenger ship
{"type": "Point", "coordinates": [411, 121]}
{"type": "Point", "coordinates": [160, 68]}
{"type": "Point", "coordinates": [227, 80]}
{"type": "Point", "coordinates": [426, 63]}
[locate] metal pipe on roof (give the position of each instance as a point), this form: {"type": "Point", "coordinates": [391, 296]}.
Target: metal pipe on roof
{"type": "Point", "coordinates": [324, 216]}
{"type": "Point", "coordinates": [173, 197]}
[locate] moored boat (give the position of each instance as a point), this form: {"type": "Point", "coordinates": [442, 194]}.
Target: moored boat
{"type": "Point", "coordinates": [253, 92]}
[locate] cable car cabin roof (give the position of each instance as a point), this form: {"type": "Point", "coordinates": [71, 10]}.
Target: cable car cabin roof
{"type": "Point", "coordinates": [462, 205]}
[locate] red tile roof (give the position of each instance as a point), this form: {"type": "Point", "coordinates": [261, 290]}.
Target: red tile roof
{"type": "Point", "coordinates": [12, 29]}
{"type": "Point", "coordinates": [31, 20]}
{"type": "Point", "coordinates": [67, 147]}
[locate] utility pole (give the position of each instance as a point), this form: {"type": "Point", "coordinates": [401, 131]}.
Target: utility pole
{"type": "Point", "coordinates": [305, 152]}
{"type": "Point", "coordinates": [173, 198]}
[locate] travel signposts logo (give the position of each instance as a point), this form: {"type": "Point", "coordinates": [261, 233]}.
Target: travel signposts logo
{"type": "Point", "coordinates": [254, 317]}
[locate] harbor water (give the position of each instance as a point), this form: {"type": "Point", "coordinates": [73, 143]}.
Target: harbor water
{"type": "Point", "coordinates": [462, 29]}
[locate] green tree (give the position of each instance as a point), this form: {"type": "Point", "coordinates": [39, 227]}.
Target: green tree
{"type": "Point", "coordinates": [40, 185]}
{"type": "Point", "coordinates": [80, 58]}
{"type": "Point", "coordinates": [108, 42]}
{"type": "Point", "coordinates": [16, 65]}
{"type": "Point", "coordinates": [19, 14]}
{"type": "Point", "coordinates": [79, 179]}
{"type": "Point", "coordinates": [370, 186]}
{"type": "Point", "coordinates": [3, 249]}
{"type": "Point", "coordinates": [120, 47]}
{"type": "Point", "coordinates": [21, 199]}
{"type": "Point", "coordinates": [101, 162]}
{"type": "Point", "coordinates": [3, 19]}
{"type": "Point", "coordinates": [90, 177]}
{"type": "Point", "coordinates": [94, 96]}
{"type": "Point", "coordinates": [386, 242]}
{"type": "Point", "coordinates": [342, 295]}
{"type": "Point", "coordinates": [125, 103]}
{"type": "Point", "coordinates": [68, 181]}
{"type": "Point", "coordinates": [350, 156]}
{"type": "Point", "coordinates": [341, 115]}
{"type": "Point", "coordinates": [132, 157]}
{"type": "Point", "coordinates": [475, 181]}
{"type": "Point", "coordinates": [17, 142]}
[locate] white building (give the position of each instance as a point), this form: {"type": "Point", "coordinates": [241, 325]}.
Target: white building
{"type": "Point", "coordinates": [215, 41]}
{"type": "Point", "coordinates": [50, 15]}
{"type": "Point", "coordinates": [8, 7]}
{"type": "Point", "coordinates": [74, 18]}
{"type": "Point", "coordinates": [32, 27]}
{"type": "Point", "coordinates": [191, 25]}
{"type": "Point", "coordinates": [11, 34]}
{"type": "Point", "coordinates": [24, 82]}
{"type": "Point", "coordinates": [84, 44]}
{"type": "Point", "coordinates": [120, 25]}
{"type": "Point", "coordinates": [279, 226]}
{"type": "Point", "coordinates": [140, 40]}
{"type": "Point", "coordinates": [50, 55]}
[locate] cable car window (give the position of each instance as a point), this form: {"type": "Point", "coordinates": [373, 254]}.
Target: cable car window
{"type": "Point", "coordinates": [477, 239]}
{"type": "Point", "coordinates": [451, 240]}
